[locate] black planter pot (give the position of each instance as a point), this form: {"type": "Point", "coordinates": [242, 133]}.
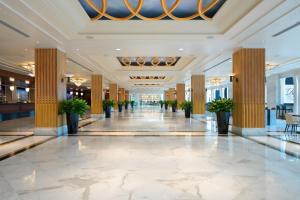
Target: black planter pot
{"type": "Point", "coordinates": [187, 113]}
{"type": "Point", "coordinates": [72, 123]}
{"type": "Point", "coordinates": [166, 106]}
{"type": "Point", "coordinates": [161, 106]}
{"type": "Point", "coordinates": [174, 107]}
{"type": "Point", "coordinates": [126, 106]}
{"type": "Point", "coordinates": [120, 108]}
{"type": "Point", "coordinates": [131, 107]}
{"type": "Point", "coordinates": [223, 122]}
{"type": "Point", "coordinates": [108, 112]}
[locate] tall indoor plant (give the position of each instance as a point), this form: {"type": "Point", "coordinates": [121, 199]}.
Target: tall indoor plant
{"type": "Point", "coordinates": [173, 105]}
{"type": "Point", "coordinates": [161, 102]}
{"type": "Point", "coordinates": [166, 104]}
{"type": "Point", "coordinates": [73, 109]}
{"type": "Point", "coordinates": [107, 105]}
{"type": "Point", "coordinates": [222, 108]}
{"type": "Point", "coordinates": [126, 103]}
{"type": "Point", "coordinates": [187, 106]}
{"type": "Point", "coordinates": [132, 104]}
{"type": "Point", "coordinates": [120, 105]}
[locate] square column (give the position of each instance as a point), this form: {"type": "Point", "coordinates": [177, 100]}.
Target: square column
{"type": "Point", "coordinates": [96, 96]}
{"type": "Point", "coordinates": [180, 93]}
{"type": "Point", "coordinates": [121, 94]}
{"type": "Point", "coordinates": [249, 92]}
{"type": "Point", "coordinates": [113, 93]}
{"type": "Point", "coordinates": [198, 94]}
{"type": "Point", "coordinates": [127, 95]}
{"type": "Point", "coordinates": [50, 90]}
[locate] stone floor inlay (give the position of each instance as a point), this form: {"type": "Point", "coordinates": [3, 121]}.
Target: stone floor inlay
{"type": "Point", "coordinates": [164, 168]}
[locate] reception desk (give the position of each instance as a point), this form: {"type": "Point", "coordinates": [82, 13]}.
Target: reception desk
{"type": "Point", "coordinates": [10, 111]}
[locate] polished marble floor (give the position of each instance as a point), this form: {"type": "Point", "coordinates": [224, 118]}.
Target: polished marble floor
{"type": "Point", "coordinates": [149, 120]}
{"type": "Point", "coordinates": [164, 168]}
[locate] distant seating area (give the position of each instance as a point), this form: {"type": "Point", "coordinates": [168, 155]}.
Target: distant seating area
{"type": "Point", "coordinates": [283, 109]}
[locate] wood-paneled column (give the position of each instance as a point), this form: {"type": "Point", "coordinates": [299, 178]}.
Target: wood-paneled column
{"type": "Point", "coordinates": [96, 96]}
{"type": "Point", "coordinates": [127, 95]}
{"type": "Point", "coordinates": [249, 91]}
{"type": "Point", "coordinates": [113, 93]}
{"type": "Point", "coordinates": [180, 93]}
{"type": "Point", "coordinates": [172, 94]}
{"type": "Point", "coordinates": [198, 94]}
{"type": "Point", "coordinates": [121, 94]}
{"type": "Point", "coordinates": [50, 90]}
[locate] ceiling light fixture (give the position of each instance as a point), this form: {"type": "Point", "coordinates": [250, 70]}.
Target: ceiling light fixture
{"type": "Point", "coordinates": [180, 49]}
{"type": "Point", "coordinates": [11, 79]}
{"type": "Point", "coordinates": [78, 81]}
{"type": "Point", "coordinates": [11, 88]}
{"type": "Point", "coordinates": [27, 89]}
{"type": "Point", "coordinates": [118, 49]}
{"type": "Point", "coordinates": [27, 82]}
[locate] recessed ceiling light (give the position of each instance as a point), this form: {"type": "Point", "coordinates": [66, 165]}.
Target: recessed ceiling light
{"type": "Point", "coordinates": [117, 49]}
{"type": "Point", "coordinates": [180, 49]}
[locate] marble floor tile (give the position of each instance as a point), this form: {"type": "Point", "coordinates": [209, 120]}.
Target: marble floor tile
{"type": "Point", "coordinates": [7, 139]}
{"type": "Point", "coordinates": [136, 168]}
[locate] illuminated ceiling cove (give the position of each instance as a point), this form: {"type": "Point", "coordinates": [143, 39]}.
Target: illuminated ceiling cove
{"type": "Point", "coordinates": [151, 9]}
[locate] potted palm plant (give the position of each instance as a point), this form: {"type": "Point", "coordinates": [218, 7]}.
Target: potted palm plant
{"type": "Point", "coordinates": [73, 109]}
{"type": "Point", "coordinates": [166, 104]}
{"type": "Point", "coordinates": [187, 106]}
{"type": "Point", "coordinates": [174, 105]}
{"type": "Point", "coordinates": [161, 102]}
{"type": "Point", "coordinates": [107, 105]}
{"type": "Point", "coordinates": [222, 108]}
{"type": "Point", "coordinates": [126, 103]}
{"type": "Point", "coordinates": [132, 104]}
{"type": "Point", "coordinates": [120, 105]}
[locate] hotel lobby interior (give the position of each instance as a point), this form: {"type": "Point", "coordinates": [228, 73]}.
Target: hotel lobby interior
{"type": "Point", "coordinates": [149, 99]}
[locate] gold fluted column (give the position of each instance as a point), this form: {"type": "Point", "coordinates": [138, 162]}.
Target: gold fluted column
{"type": "Point", "coordinates": [180, 93]}
{"type": "Point", "coordinates": [249, 91]}
{"type": "Point", "coordinates": [198, 94]}
{"type": "Point", "coordinates": [127, 95]}
{"type": "Point", "coordinates": [121, 94]}
{"type": "Point", "coordinates": [96, 96]}
{"type": "Point", "coordinates": [113, 93]}
{"type": "Point", "coordinates": [50, 90]}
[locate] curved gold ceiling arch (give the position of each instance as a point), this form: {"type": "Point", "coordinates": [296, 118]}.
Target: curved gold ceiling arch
{"type": "Point", "coordinates": [168, 11]}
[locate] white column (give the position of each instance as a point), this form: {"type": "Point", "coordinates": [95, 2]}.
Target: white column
{"type": "Point", "coordinates": [273, 91]}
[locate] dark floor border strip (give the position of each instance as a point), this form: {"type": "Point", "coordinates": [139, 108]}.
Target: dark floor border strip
{"type": "Point", "coordinates": [288, 141]}
{"type": "Point", "coordinates": [273, 147]}
{"type": "Point", "coordinates": [14, 140]}
{"type": "Point", "coordinates": [141, 131]}
{"type": "Point", "coordinates": [11, 154]}
{"type": "Point", "coordinates": [74, 135]}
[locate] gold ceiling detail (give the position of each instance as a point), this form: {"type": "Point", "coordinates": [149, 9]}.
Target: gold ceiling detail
{"type": "Point", "coordinates": [147, 84]}
{"type": "Point", "coordinates": [167, 11]}
{"type": "Point", "coordinates": [141, 61]}
{"type": "Point", "coordinates": [29, 67]}
{"type": "Point", "coordinates": [147, 77]}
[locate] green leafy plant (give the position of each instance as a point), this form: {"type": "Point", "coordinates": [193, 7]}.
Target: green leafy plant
{"type": "Point", "coordinates": [161, 102]}
{"type": "Point", "coordinates": [75, 106]}
{"type": "Point", "coordinates": [186, 105]}
{"type": "Point", "coordinates": [120, 103]}
{"type": "Point", "coordinates": [132, 103]}
{"type": "Point", "coordinates": [173, 103]}
{"type": "Point", "coordinates": [167, 102]}
{"type": "Point", "coordinates": [126, 102]}
{"type": "Point", "coordinates": [108, 103]}
{"type": "Point", "coordinates": [220, 105]}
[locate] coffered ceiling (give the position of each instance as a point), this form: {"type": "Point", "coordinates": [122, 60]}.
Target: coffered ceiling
{"type": "Point", "coordinates": [92, 47]}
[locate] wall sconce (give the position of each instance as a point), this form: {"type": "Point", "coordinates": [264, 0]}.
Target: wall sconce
{"type": "Point", "coordinates": [27, 82]}
{"type": "Point", "coordinates": [232, 77]}
{"type": "Point", "coordinates": [71, 93]}
{"type": "Point", "coordinates": [27, 89]}
{"type": "Point", "coordinates": [68, 77]}
{"type": "Point", "coordinates": [11, 79]}
{"type": "Point", "coordinates": [11, 88]}
{"type": "Point", "coordinates": [76, 93]}
{"type": "Point", "coordinates": [81, 93]}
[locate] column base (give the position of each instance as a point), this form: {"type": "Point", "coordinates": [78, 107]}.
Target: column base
{"type": "Point", "coordinates": [249, 131]}
{"type": "Point", "coordinates": [97, 116]}
{"type": "Point", "coordinates": [59, 131]}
